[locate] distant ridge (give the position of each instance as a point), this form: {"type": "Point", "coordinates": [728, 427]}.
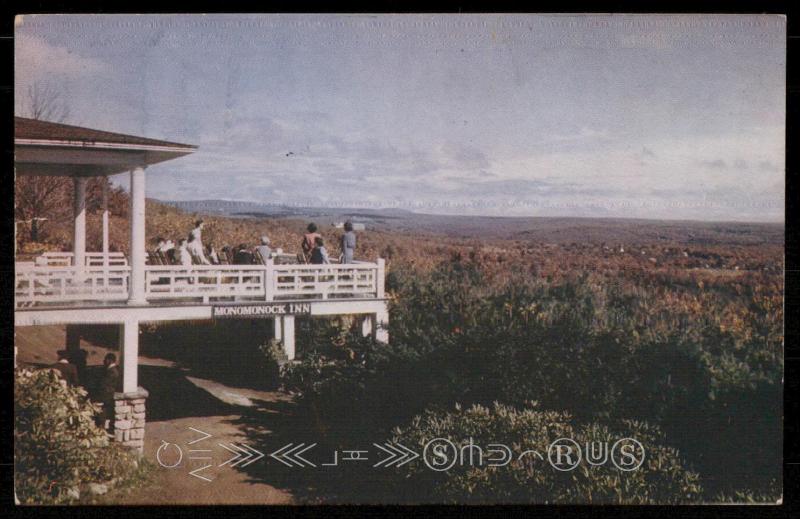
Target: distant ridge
{"type": "Point", "coordinates": [529, 229]}
{"type": "Point", "coordinates": [239, 207]}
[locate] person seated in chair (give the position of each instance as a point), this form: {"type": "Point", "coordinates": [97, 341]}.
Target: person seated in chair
{"type": "Point", "coordinates": [243, 256]}
{"type": "Point", "coordinates": [264, 249]}
{"type": "Point", "coordinates": [211, 254]}
{"type": "Point", "coordinates": [319, 255]}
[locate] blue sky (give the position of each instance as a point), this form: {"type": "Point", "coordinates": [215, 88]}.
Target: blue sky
{"type": "Point", "coordinates": [678, 117]}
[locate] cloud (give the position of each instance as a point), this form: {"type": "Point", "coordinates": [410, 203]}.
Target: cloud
{"type": "Point", "coordinates": [740, 164]}
{"type": "Point", "coordinates": [714, 164]}
{"type": "Point", "coordinates": [35, 59]}
{"type": "Point", "coordinates": [766, 165]}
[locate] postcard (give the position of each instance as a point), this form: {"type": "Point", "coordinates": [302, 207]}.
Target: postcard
{"type": "Point", "coordinates": [275, 259]}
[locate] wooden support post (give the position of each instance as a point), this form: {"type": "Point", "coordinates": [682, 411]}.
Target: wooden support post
{"type": "Point", "coordinates": [79, 229]}
{"type": "Point", "coordinates": [137, 247]}
{"type": "Point", "coordinates": [382, 326]}
{"type": "Point", "coordinates": [288, 336]}
{"type": "Point", "coordinates": [269, 287]}
{"type": "Point", "coordinates": [129, 349]}
{"type": "Point", "coordinates": [367, 325]}
{"type": "Point", "coordinates": [105, 222]}
{"type": "Point", "coordinates": [277, 329]}
{"type": "Point", "coordinates": [380, 282]}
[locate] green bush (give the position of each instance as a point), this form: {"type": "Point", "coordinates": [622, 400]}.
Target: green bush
{"type": "Point", "coordinates": [701, 361]}
{"type": "Point", "coordinates": [58, 448]}
{"type": "Point", "coordinates": [662, 478]}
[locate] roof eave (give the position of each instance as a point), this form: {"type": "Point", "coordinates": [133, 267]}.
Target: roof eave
{"type": "Point", "coordinates": [183, 149]}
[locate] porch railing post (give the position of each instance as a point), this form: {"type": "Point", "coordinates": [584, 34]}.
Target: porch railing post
{"type": "Point", "coordinates": [379, 282]}
{"type": "Point", "coordinates": [268, 275]}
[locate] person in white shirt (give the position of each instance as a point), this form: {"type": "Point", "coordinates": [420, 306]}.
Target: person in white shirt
{"type": "Point", "coordinates": [196, 243]}
{"type": "Point", "coordinates": [165, 245]}
{"type": "Point", "coordinates": [264, 249]}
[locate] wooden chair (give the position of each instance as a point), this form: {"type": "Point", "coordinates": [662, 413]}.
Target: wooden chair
{"type": "Point", "coordinates": [153, 259]}
{"type": "Point", "coordinates": [223, 258]}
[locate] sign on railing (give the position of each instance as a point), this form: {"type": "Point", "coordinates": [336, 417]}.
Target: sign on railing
{"type": "Point", "coordinates": [260, 310]}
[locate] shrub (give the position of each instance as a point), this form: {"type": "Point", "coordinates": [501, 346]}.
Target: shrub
{"type": "Point", "coordinates": [58, 449]}
{"type": "Point", "coordinates": [662, 478]}
{"type": "Point", "coordinates": [704, 364]}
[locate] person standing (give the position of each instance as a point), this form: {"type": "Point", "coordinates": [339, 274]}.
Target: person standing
{"type": "Point", "coordinates": [109, 384]}
{"type": "Point", "coordinates": [348, 243]}
{"type": "Point", "coordinates": [309, 241]}
{"type": "Point", "coordinates": [196, 243]}
{"type": "Point", "coordinates": [65, 369]}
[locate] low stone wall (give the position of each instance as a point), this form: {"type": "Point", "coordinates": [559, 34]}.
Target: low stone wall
{"type": "Point", "coordinates": [129, 418]}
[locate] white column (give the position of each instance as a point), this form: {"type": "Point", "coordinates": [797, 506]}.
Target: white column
{"type": "Point", "coordinates": [288, 336]}
{"type": "Point", "coordinates": [129, 351]}
{"type": "Point", "coordinates": [105, 222]}
{"type": "Point", "coordinates": [137, 248]}
{"type": "Point", "coordinates": [380, 282]}
{"type": "Point", "coordinates": [367, 324]}
{"type": "Point", "coordinates": [277, 329]}
{"type": "Point", "coordinates": [269, 287]}
{"type": "Point", "coordinates": [382, 326]}
{"type": "Point", "coordinates": [79, 231]}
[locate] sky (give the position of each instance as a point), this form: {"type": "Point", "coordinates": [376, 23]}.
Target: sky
{"type": "Point", "coordinates": [668, 117]}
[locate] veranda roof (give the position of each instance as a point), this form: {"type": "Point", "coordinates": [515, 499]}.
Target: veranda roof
{"type": "Point", "coordinates": [47, 148]}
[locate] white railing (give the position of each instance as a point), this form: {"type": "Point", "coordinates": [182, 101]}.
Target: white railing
{"type": "Point", "coordinates": [205, 281]}
{"type": "Point", "coordinates": [323, 281]}
{"type": "Point", "coordinates": [46, 284]}
{"type": "Point", "coordinates": [91, 259]}
{"type": "Point", "coordinates": [66, 285]}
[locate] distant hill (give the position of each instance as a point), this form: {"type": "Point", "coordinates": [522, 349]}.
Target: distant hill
{"type": "Point", "coordinates": [534, 229]}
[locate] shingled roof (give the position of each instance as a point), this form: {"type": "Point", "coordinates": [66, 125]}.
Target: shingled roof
{"type": "Point", "coordinates": [31, 129]}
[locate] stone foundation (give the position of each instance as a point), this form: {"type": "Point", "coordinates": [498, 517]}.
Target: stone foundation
{"type": "Point", "coordinates": [129, 418]}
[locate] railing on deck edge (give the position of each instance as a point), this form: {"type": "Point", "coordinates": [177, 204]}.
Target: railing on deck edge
{"type": "Point", "coordinates": [40, 284]}
{"type": "Point", "coordinates": [91, 259]}
{"type": "Point", "coordinates": [50, 284]}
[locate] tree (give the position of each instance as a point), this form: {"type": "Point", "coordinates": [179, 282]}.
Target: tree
{"type": "Point", "coordinates": [44, 102]}
{"type": "Point", "coordinates": [39, 198]}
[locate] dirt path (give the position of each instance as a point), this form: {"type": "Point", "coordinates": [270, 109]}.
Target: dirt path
{"type": "Point", "coordinates": [207, 426]}
{"type": "Point", "coordinates": [183, 408]}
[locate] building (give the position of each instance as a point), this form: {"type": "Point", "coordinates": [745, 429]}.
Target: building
{"type": "Point", "coordinates": [100, 287]}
